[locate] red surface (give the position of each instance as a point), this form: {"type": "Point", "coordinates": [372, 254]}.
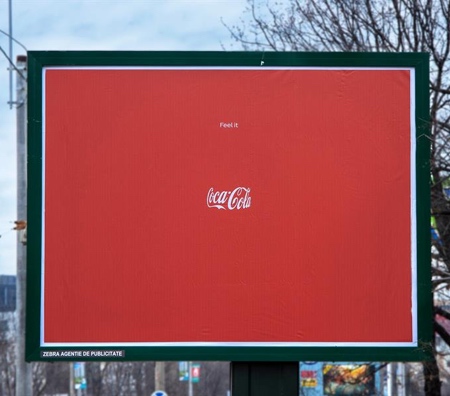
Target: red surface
{"type": "Point", "coordinates": [133, 253]}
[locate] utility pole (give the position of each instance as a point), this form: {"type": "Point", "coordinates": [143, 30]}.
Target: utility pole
{"type": "Point", "coordinates": [23, 369]}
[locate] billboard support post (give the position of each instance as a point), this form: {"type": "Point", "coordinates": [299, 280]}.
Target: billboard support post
{"type": "Point", "coordinates": [264, 379]}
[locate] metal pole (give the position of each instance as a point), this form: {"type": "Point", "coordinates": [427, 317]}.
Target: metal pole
{"type": "Point", "coordinates": [401, 379]}
{"type": "Point", "coordinates": [160, 376]}
{"type": "Point", "coordinates": [71, 380]}
{"type": "Point", "coordinates": [190, 386]}
{"type": "Point", "coordinates": [23, 369]}
{"type": "Point", "coordinates": [10, 54]}
{"type": "Point", "coordinates": [391, 379]}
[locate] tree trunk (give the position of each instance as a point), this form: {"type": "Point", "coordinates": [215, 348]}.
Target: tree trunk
{"type": "Point", "coordinates": [431, 375]}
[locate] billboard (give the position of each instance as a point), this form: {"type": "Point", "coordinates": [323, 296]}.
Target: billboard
{"type": "Point", "coordinates": [195, 206]}
{"type": "Point", "coordinates": [340, 378]}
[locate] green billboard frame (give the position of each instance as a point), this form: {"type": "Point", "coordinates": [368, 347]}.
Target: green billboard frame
{"type": "Point", "coordinates": [38, 60]}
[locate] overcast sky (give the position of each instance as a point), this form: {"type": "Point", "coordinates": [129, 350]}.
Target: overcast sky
{"type": "Point", "coordinates": [97, 25]}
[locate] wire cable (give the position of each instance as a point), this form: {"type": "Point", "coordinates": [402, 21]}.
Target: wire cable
{"type": "Point", "coordinates": [12, 63]}
{"type": "Point", "coordinates": [13, 39]}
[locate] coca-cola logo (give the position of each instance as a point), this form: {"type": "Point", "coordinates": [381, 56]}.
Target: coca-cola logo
{"type": "Point", "coordinates": [239, 198]}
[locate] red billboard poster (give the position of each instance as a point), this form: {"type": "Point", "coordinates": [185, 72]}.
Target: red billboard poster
{"type": "Point", "coordinates": [215, 206]}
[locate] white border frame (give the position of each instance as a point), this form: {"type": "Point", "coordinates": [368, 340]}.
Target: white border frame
{"type": "Point", "coordinates": [413, 214]}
